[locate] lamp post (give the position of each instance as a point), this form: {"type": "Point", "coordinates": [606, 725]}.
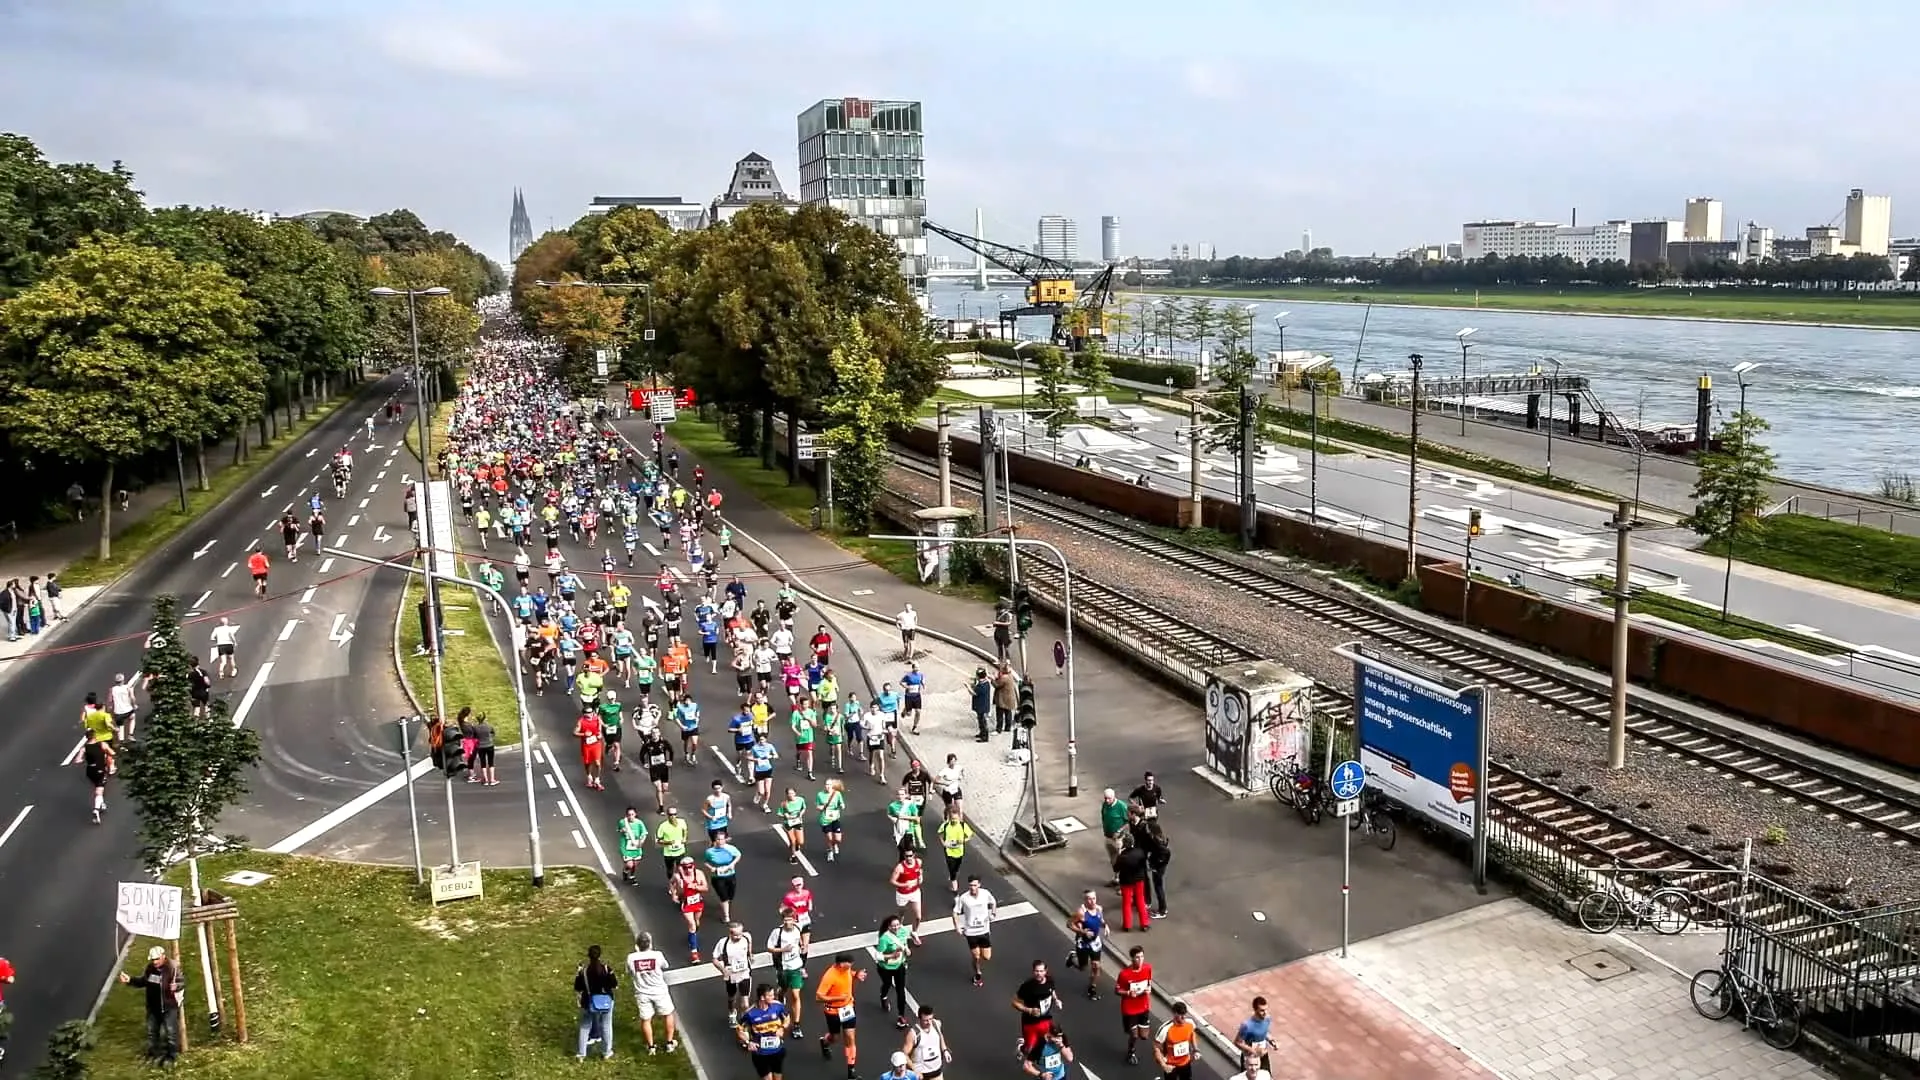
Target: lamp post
{"type": "Point", "coordinates": [1551, 395]}
{"type": "Point", "coordinates": [1021, 363]}
{"type": "Point", "coordinates": [1740, 372]}
{"type": "Point", "coordinates": [1413, 475]}
{"type": "Point", "coordinates": [1462, 337]}
{"type": "Point", "coordinates": [1280, 325]}
{"type": "Point", "coordinates": [1308, 372]}
{"type": "Point", "coordinates": [432, 638]}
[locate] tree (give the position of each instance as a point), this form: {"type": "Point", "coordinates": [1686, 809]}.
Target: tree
{"type": "Point", "coordinates": [1731, 489]}
{"type": "Point", "coordinates": [67, 1051]}
{"type": "Point", "coordinates": [46, 209]}
{"type": "Point", "coordinates": [549, 258]}
{"type": "Point", "coordinates": [865, 411]}
{"type": "Point", "coordinates": [583, 319]}
{"type": "Point", "coordinates": [1050, 387]}
{"type": "Point", "coordinates": [121, 349]}
{"type": "Point", "coordinates": [1090, 367]}
{"type": "Point", "coordinates": [1236, 332]}
{"type": "Point", "coordinates": [186, 768]}
{"type": "Point", "coordinates": [449, 325]}
{"type": "Point", "coordinates": [1199, 320]}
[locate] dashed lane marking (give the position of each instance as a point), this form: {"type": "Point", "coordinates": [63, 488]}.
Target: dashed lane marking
{"type": "Point", "coordinates": [287, 630]}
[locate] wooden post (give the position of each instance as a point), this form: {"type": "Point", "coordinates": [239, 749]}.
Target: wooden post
{"type": "Point", "coordinates": [233, 968]}
{"type": "Point", "coordinates": [180, 1032]}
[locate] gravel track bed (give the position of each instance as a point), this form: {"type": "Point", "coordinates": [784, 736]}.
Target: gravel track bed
{"type": "Point", "coordinates": [1665, 795]}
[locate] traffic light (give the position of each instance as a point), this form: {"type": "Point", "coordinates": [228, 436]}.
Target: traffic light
{"type": "Point", "coordinates": [1023, 608]}
{"type": "Point", "coordinates": [1026, 714]}
{"type": "Point", "coordinates": [1473, 522]}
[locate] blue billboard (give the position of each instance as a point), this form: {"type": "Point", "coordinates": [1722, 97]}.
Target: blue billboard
{"type": "Point", "coordinates": [1423, 740]}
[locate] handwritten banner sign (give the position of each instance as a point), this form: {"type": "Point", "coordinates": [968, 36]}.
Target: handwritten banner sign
{"type": "Point", "coordinates": [149, 910]}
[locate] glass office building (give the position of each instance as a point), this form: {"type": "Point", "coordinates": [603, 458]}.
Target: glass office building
{"type": "Point", "coordinates": [865, 158]}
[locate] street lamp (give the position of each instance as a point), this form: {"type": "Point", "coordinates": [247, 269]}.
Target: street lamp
{"type": "Point", "coordinates": [1307, 371]}
{"type": "Point", "coordinates": [1740, 372]}
{"type": "Point", "coordinates": [1413, 475]}
{"type": "Point", "coordinates": [1022, 365]}
{"type": "Point", "coordinates": [1558, 367]}
{"type": "Point", "coordinates": [1280, 324]}
{"type": "Point", "coordinates": [1462, 337]}
{"type": "Point", "coordinates": [1251, 310]}
{"type": "Point", "coordinates": [433, 636]}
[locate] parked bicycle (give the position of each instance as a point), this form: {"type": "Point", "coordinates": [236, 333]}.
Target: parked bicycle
{"type": "Point", "coordinates": [1718, 992]}
{"type": "Point", "coordinates": [1299, 787]}
{"type": "Point", "coordinates": [1668, 909]}
{"type": "Point", "coordinates": [1373, 822]}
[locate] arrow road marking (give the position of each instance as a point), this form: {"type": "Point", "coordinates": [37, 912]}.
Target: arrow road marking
{"type": "Point", "coordinates": [313, 451]}
{"type": "Point", "coordinates": [338, 634]}
{"type": "Point", "coordinates": [380, 535]}
{"type": "Point", "coordinates": [204, 548]}
{"type": "Point", "coordinates": [270, 490]}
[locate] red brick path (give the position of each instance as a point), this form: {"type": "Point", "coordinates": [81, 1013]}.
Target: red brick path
{"type": "Point", "coordinates": [1329, 1026]}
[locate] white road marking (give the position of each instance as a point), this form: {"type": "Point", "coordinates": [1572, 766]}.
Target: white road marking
{"type": "Point", "coordinates": [373, 487]}
{"type": "Point", "coordinates": [287, 630]}
{"type": "Point", "coordinates": [606, 864]}
{"type": "Point", "coordinates": [564, 812]}
{"type": "Point", "coordinates": [781, 831]}
{"type": "Point", "coordinates": [651, 550]}
{"type": "Point", "coordinates": [380, 534]}
{"type": "Point", "coordinates": [363, 503]}
{"type": "Point", "coordinates": [307, 597]}
{"type": "Point", "coordinates": [578, 842]}
{"type": "Point", "coordinates": [679, 573]}
{"type": "Point", "coordinates": [287, 509]}
{"type": "Point", "coordinates": [254, 543]}
{"type": "Point", "coordinates": [727, 763]}
{"type": "Point", "coordinates": [681, 976]}
{"type": "Point", "coordinates": [270, 490]}
{"type": "Point", "coordinates": [339, 541]}
{"type": "Point", "coordinates": [17, 819]}
{"type": "Point", "coordinates": [326, 565]}
{"type": "Point", "coordinates": [200, 604]}
{"type": "Point", "coordinates": [352, 521]}
{"type": "Point", "coordinates": [230, 569]}
{"type": "Point", "coordinates": [253, 693]}
{"type": "Point", "coordinates": [204, 548]}
{"type": "Point", "coordinates": [381, 475]}
{"type": "Point", "coordinates": [302, 491]}
{"type": "Point", "coordinates": [358, 805]}
{"type": "Point", "coordinates": [552, 784]}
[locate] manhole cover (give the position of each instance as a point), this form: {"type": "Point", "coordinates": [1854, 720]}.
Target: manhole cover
{"type": "Point", "coordinates": [1600, 966]}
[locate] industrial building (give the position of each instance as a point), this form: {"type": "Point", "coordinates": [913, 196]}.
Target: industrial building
{"type": "Point", "coordinates": [1704, 219]}
{"type": "Point", "coordinates": [1109, 239]}
{"type": "Point", "coordinates": [867, 159]}
{"type": "Point", "coordinates": [1058, 238]}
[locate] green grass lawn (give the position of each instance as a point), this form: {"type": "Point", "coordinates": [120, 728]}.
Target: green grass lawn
{"type": "Point", "coordinates": [1332, 427]}
{"type": "Point", "coordinates": [473, 671]}
{"type": "Point", "coordinates": [1707, 620]}
{"type": "Point", "coordinates": [349, 972]}
{"type": "Point", "coordinates": [143, 537]}
{"type": "Point", "coordinates": [1769, 304]}
{"type": "Point", "coordinates": [1869, 559]}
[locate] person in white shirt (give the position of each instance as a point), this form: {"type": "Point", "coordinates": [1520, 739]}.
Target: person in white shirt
{"type": "Point", "coordinates": [973, 914]}
{"type": "Point", "coordinates": [948, 780]}
{"type": "Point", "coordinates": [121, 704]}
{"type": "Point", "coordinates": [782, 642]}
{"type": "Point", "coordinates": [926, 1046]}
{"type": "Point", "coordinates": [909, 623]}
{"type": "Point", "coordinates": [647, 966]}
{"type": "Point", "coordinates": [788, 945]}
{"type": "Point", "coordinates": [733, 959]}
{"type": "Point", "coordinates": [225, 636]}
{"type": "Point", "coordinates": [1250, 1070]}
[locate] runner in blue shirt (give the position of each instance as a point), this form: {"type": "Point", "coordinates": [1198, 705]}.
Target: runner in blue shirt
{"type": "Point", "coordinates": [709, 636]}
{"type": "Point", "coordinates": [889, 703]}
{"type": "Point", "coordinates": [1049, 1057]}
{"type": "Point", "coordinates": [687, 713]}
{"type": "Point", "coordinates": [540, 604]}
{"type": "Point", "coordinates": [763, 754]}
{"type": "Point", "coordinates": [569, 658]}
{"type": "Point", "coordinates": [763, 1033]}
{"type": "Point", "coordinates": [911, 685]}
{"type": "Point", "coordinates": [723, 866]}
{"type": "Point", "coordinates": [741, 725]}
{"type": "Point", "coordinates": [816, 671]}
{"type": "Point", "coordinates": [523, 607]}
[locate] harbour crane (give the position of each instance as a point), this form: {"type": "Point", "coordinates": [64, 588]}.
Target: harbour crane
{"type": "Point", "coordinates": [1078, 315]}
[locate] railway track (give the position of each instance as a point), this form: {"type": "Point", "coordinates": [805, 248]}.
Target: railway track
{"type": "Point", "coordinates": [1863, 804]}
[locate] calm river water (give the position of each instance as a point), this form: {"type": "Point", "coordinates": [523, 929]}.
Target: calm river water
{"type": "Point", "coordinates": [1844, 404]}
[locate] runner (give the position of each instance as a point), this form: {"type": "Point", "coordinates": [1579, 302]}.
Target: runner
{"type": "Point", "coordinates": [723, 864]}
{"type": "Point", "coordinates": [973, 913]}
{"type": "Point", "coordinates": [912, 685]}
{"type": "Point", "coordinates": [648, 968]}
{"type": "Point", "coordinates": [225, 638]}
{"type": "Point", "coordinates": [671, 836]}
{"type": "Point", "coordinates": [802, 720]}
{"type": "Point", "coordinates": [948, 781]}
{"type": "Point", "coordinates": [1173, 1045]}
{"type": "Point", "coordinates": [763, 754]}
{"type": "Point", "coordinates": [904, 815]}
{"type": "Point", "coordinates": [906, 880]}
{"type": "Point", "coordinates": [954, 835]}
{"type": "Point", "coordinates": [658, 757]}
{"type": "Point", "coordinates": [257, 566]}
{"type": "Point", "coordinates": [717, 809]}
{"type": "Point", "coordinates": [835, 995]}
{"type": "Point", "coordinates": [290, 535]}
{"type": "Point", "coordinates": [926, 1046]}
{"type": "Point", "coordinates": [1133, 984]}
{"type": "Point", "coordinates": [686, 712]}
{"type": "Point", "coordinates": [788, 947]}
{"type": "Point", "coordinates": [764, 1030]}
{"type": "Point", "coordinates": [908, 623]}
{"type": "Point", "coordinates": [97, 758]}
{"type": "Point", "coordinates": [633, 844]}
{"type": "Point", "coordinates": [610, 727]}
{"type": "Point", "coordinates": [831, 804]}
{"type": "Point", "coordinates": [799, 900]}
{"type": "Point", "coordinates": [1049, 1057]}
{"type": "Point", "coordinates": [733, 959]}
{"type": "Point", "coordinates": [888, 702]}
{"type": "Point", "coordinates": [688, 888]}
{"type": "Point", "coordinates": [588, 730]}
{"type": "Point", "coordinates": [1035, 1001]}
{"type": "Point", "coordinates": [890, 949]}
{"type": "Point", "coordinates": [874, 728]}
{"type": "Point", "coordinates": [121, 703]}
{"type": "Point", "coordinates": [1088, 925]}
{"type": "Point", "coordinates": [792, 813]}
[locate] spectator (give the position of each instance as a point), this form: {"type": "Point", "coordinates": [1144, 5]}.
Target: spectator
{"type": "Point", "coordinates": [595, 982]}
{"type": "Point", "coordinates": [1159, 857]}
{"type": "Point", "coordinates": [982, 703]}
{"type": "Point", "coordinates": [7, 614]}
{"type": "Point", "coordinates": [1006, 697]}
{"type": "Point", "coordinates": [1130, 870]}
{"type": "Point", "coordinates": [161, 984]}
{"type": "Point", "coordinates": [1059, 658]}
{"type": "Point", "coordinates": [53, 598]}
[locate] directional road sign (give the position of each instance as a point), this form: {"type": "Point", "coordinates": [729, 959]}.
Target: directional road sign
{"type": "Point", "coordinates": [1346, 808]}
{"type": "Point", "coordinates": [1348, 780]}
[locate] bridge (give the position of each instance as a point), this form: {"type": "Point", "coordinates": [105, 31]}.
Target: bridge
{"type": "Point", "coordinates": [997, 274]}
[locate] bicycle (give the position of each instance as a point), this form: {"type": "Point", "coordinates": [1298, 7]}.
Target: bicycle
{"type": "Point", "coordinates": [1299, 788]}
{"type": "Point", "coordinates": [1717, 992]}
{"type": "Point", "coordinates": [1668, 909]}
{"type": "Point", "coordinates": [1372, 820]}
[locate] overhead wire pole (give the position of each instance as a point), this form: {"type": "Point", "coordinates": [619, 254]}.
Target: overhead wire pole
{"type": "Point", "coordinates": [1622, 525]}
{"type": "Point", "coordinates": [1413, 476]}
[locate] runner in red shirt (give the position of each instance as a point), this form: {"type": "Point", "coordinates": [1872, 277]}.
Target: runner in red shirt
{"type": "Point", "coordinates": [822, 644]}
{"type": "Point", "coordinates": [592, 745]}
{"type": "Point", "coordinates": [1133, 985]}
{"type": "Point", "coordinates": [257, 566]}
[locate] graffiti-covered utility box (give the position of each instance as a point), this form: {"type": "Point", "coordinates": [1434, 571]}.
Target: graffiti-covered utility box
{"type": "Point", "coordinates": [1259, 715]}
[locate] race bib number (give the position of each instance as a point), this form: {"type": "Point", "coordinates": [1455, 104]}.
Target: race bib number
{"type": "Point", "coordinates": [845, 1013]}
{"type": "Point", "coordinates": [769, 1043]}
{"type": "Point", "coordinates": [1051, 1063]}
{"type": "Point", "coordinates": [591, 739]}
{"type": "Point", "coordinates": [1180, 1049]}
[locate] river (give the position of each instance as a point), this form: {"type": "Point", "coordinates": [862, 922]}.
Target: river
{"type": "Point", "coordinates": [1844, 403]}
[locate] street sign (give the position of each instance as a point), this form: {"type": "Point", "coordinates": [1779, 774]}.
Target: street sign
{"type": "Point", "coordinates": [647, 334]}
{"type": "Point", "coordinates": [602, 362]}
{"type": "Point", "coordinates": [803, 445]}
{"type": "Point", "coordinates": [1349, 779]}
{"type": "Point", "coordinates": [661, 408]}
{"type": "Point", "coordinates": [458, 882]}
{"type": "Point", "coordinates": [1346, 807]}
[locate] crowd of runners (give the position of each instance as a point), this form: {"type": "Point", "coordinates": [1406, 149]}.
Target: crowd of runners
{"type": "Point", "coordinates": [621, 638]}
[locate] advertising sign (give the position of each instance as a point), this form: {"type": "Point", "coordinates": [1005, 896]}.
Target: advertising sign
{"type": "Point", "coordinates": [148, 910]}
{"type": "Point", "coordinates": [459, 882]}
{"type": "Point", "coordinates": [1423, 740]}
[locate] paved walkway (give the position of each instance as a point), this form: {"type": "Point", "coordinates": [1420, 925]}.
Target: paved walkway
{"type": "Point", "coordinates": [1502, 990]}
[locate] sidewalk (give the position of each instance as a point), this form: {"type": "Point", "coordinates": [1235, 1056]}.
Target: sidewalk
{"type": "Point", "coordinates": [1443, 983]}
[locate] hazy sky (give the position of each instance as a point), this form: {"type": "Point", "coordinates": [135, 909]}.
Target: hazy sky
{"type": "Point", "coordinates": [1377, 125]}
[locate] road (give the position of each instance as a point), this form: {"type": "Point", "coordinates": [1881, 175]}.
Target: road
{"type": "Point", "coordinates": [1557, 546]}
{"type": "Point", "coordinates": [852, 894]}
{"type": "Point", "coordinates": [295, 652]}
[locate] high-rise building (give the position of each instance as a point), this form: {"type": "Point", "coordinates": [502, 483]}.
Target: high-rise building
{"type": "Point", "coordinates": [1306, 242]}
{"type": "Point", "coordinates": [519, 228]}
{"type": "Point", "coordinates": [753, 184]}
{"type": "Point", "coordinates": [1703, 219]}
{"type": "Point", "coordinates": [1869, 222]}
{"type": "Point", "coordinates": [866, 159]}
{"type": "Point", "coordinates": [1109, 239]}
{"type": "Point", "coordinates": [1059, 238]}
{"type": "Point", "coordinates": [679, 214]}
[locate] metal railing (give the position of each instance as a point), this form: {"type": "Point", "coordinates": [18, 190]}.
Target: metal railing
{"type": "Point", "coordinates": [1864, 514]}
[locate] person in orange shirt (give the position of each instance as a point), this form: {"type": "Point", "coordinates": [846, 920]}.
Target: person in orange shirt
{"type": "Point", "coordinates": [592, 746]}
{"type": "Point", "coordinates": [835, 995]}
{"type": "Point", "coordinates": [257, 566]}
{"type": "Point", "coordinates": [1173, 1045]}
{"type": "Point", "coordinates": [673, 666]}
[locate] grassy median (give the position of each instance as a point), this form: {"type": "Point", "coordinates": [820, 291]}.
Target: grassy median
{"type": "Point", "coordinates": [1873, 560]}
{"type": "Point", "coordinates": [1707, 620]}
{"type": "Point", "coordinates": [1769, 305]}
{"type": "Point", "coordinates": [143, 537]}
{"type": "Point", "coordinates": [348, 971]}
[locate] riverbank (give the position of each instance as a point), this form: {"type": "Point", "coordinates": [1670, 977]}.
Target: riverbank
{"type": "Point", "coordinates": [1757, 307]}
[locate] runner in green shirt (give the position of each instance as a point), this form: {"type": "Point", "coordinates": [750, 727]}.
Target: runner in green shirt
{"type": "Point", "coordinates": [801, 720]}
{"type": "Point", "coordinates": [672, 838]}
{"type": "Point", "coordinates": [954, 834]}
{"type": "Point", "coordinates": [644, 665]}
{"type": "Point", "coordinates": [610, 727]}
{"type": "Point", "coordinates": [835, 728]}
{"type": "Point", "coordinates": [831, 802]}
{"type": "Point", "coordinates": [633, 843]}
{"type": "Point", "coordinates": [891, 948]}
{"type": "Point", "coordinates": [828, 691]}
{"type": "Point", "coordinates": [792, 812]}
{"type": "Point", "coordinates": [904, 813]}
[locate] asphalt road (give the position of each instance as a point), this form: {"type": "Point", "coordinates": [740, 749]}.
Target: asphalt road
{"type": "Point", "coordinates": [57, 869]}
{"type": "Point", "coordinates": [852, 895]}
{"type": "Point", "coordinates": [1557, 546]}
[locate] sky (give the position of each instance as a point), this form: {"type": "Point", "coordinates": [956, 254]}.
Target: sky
{"type": "Point", "coordinates": [1378, 126]}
